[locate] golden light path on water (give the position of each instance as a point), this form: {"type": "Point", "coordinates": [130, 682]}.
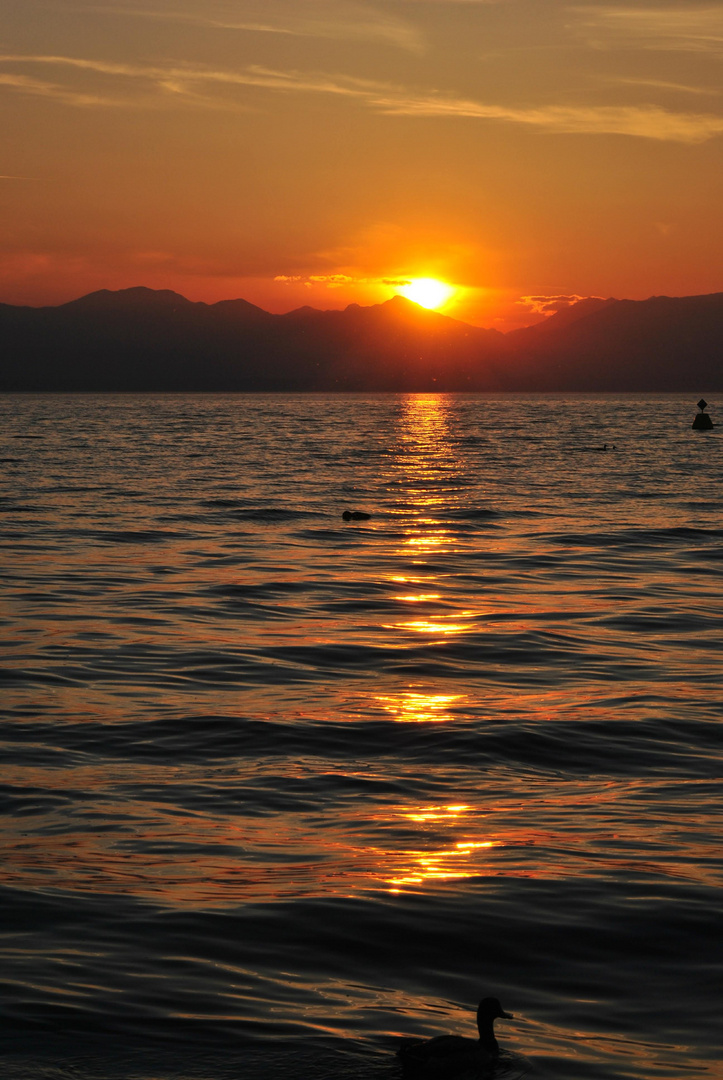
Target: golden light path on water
{"type": "Point", "coordinates": [426, 461]}
{"type": "Point", "coordinates": [225, 849]}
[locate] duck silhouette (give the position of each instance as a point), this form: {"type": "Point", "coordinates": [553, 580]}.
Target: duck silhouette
{"type": "Point", "coordinates": [452, 1055]}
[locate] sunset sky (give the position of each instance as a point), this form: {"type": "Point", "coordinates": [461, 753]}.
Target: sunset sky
{"type": "Point", "coordinates": [326, 151]}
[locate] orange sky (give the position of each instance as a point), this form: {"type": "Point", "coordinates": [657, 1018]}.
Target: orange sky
{"type": "Point", "coordinates": [318, 151]}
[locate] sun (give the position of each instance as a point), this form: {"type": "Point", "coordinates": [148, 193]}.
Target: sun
{"type": "Point", "coordinates": [427, 292]}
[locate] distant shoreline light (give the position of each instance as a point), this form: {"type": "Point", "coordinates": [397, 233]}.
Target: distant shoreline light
{"type": "Point", "coordinates": [427, 292]}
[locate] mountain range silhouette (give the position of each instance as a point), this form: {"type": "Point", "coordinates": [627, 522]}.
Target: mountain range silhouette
{"type": "Point", "coordinates": [143, 339]}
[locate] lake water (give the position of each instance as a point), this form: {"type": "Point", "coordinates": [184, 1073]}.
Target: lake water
{"type": "Point", "coordinates": [279, 788]}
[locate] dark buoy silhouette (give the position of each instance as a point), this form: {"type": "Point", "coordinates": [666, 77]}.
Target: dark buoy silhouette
{"type": "Point", "coordinates": [701, 421]}
{"type": "Point", "coordinates": [355, 515]}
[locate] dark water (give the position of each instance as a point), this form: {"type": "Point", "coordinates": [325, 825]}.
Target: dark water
{"type": "Point", "coordinates": [278, 788]}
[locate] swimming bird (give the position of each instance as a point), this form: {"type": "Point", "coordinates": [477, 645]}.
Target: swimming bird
{"type": "Point", "coordinates": [450, 1055]}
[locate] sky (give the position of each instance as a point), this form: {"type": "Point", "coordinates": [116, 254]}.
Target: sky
{"type": "Point", "coordinates": [325, 152]}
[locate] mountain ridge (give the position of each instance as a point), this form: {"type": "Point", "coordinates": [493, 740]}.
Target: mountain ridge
{"type": "Point", "coordinates": [145, 339]}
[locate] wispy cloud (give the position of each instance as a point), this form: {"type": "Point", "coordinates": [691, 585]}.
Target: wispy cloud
{"type": "Point", "coordinates": [181, 79]}
{"type": "Point", "coordinates": [61, 93]}
{"type": "Point", "coordinates": [643, 121]}
{"type": "Point", "coordinates": [688, 27]}
{"type": "Point", "coordinates": [206, 86]}
{"type": "Point", "coordinates": [662, 84]}
{"type": "Point", "coordinates": [333, 19]}
{"type": "Point", "coordinates": [548, 305]}
{"type": "Point", "coordinates": [332, 281]}
{"type": "Point", "coordinates": [338, 281]}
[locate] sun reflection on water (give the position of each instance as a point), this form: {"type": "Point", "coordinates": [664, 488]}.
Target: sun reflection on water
{"type": "Point", "coordinates": [424, 466]}
{"type": "Point", "coordinates": [426, 420]}
{"type": "Point", "coordinates": [418, 598]}
{"type": "Point", "coordinates": [434, 626]}
{"type": "Point", "coordinates": [413, 707]}
{"type": "Point", "coordinates": [429, 541]}
{"type": "Point", "coordinates": [452, 860]}
{"type": "Point", "coordinates": [437, 813]}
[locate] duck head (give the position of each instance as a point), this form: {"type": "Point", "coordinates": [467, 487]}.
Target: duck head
{"type": "Point", "coordinates": [488, 1011]}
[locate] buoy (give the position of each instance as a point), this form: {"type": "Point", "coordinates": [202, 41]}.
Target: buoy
{"type": "Point", "coordinates": [701, 420]}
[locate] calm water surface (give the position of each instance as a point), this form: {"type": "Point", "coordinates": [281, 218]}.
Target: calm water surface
{"type": "Point", "coordinates": [278, 789]}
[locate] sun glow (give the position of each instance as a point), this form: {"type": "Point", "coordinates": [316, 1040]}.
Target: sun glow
{"type": "Point", "coordinates": [427, 292]}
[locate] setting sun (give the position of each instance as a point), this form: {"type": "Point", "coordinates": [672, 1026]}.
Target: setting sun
{"type": "Point", "coordinates": [427, 292]}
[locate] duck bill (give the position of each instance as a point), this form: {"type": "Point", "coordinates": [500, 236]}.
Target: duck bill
{"type": "Point", "coordinates": [507, 1016]}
